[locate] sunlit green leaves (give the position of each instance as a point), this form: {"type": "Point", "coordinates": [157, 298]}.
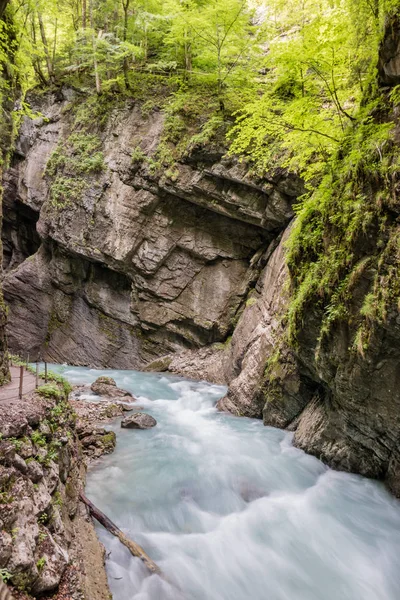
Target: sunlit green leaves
{"type": "Point", "coordinates": [316, 67]}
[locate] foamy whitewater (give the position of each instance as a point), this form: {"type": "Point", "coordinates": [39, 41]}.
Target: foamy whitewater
{"type": "Point", "coordinates": [231, 511]}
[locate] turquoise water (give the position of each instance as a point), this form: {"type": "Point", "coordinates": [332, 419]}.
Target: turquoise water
{"type": "Point", "coordinates": [231, 511]}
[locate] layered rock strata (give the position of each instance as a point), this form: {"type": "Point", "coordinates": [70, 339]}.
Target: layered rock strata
{"type": "Point", "coordinates": [134, 264]}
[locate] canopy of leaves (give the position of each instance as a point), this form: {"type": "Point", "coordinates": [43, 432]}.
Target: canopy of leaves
{"type": "Point", "coordinates": [293, 72]}
{"type": "Point", "coordinates": [319, 60]}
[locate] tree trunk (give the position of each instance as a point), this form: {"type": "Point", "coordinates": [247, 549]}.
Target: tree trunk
{"type": "Point", "coordinates": [36, 62]}
{"type": "Point", "coordinates": [188, 53]}
{"type": "Point", "coordinates": [133, 548]}
{"type": "Point", "coordinates": [125, 5]}
{"type": "Point", "coordinates": [94, 45]}
{"type": "Point", "coordinates": [84, 14]}
{"type": "Point", "coordinates": [55, 42]}
{"type": "Point", "coordinates": [46, 47]}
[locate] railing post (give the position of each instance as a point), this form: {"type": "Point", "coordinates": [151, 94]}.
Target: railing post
{"type": "Point", "coordinates": [21, 380]}
{"type": "Point", "coordinates": [37, 375]}
{"type": "Point", "coordinates": [45, 372]}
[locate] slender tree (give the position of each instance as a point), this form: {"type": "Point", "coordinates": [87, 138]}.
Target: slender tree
{"type": "Point", "coordinates": [125, 6]}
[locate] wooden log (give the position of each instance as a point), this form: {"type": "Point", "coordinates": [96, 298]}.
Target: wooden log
{"type": "Point", "coordinates": [133, 548]}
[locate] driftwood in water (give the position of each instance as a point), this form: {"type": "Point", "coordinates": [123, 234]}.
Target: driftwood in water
{"type": "Point", "coordinates": [133, 548]}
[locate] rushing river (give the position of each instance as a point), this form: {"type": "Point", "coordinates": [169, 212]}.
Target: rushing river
{"type": "Point", "coordinates": [231, 511]}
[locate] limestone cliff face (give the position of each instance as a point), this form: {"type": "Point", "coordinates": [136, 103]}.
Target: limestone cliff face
{"type": "Point", "coordinates": [130, 265]}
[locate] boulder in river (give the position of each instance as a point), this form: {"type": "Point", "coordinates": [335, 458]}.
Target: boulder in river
{"type": "Point", "coordinates": [106, 386]}
{"type": "Point", "coordinates": [139, 421]}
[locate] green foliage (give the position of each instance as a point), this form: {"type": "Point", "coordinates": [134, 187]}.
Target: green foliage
{"type": "Point", "coordinates": [41, 563]}
{"type": "Point", "coordinates": [213, 41]}
{"type": "Point", "coordinates": [6, 497]}
{"type": "Point", "coordinates": [92, 111]}
{"type": "Point", "coordinates": [344, 231]}
{"type": "Point", "coordinates": [79, 154]}
{"type": "Point", "coordinates": [108, 441]}
{"type": "Point", "coordinates": [16, 360]}
{"type": "Point", "coordinates": [137, 156]}
{"type": "Point", "coordinates": [65, 190]}
{"type": "Point", "coordinates": [59, 379]}
{"type": "Point", "coordinates": [17, 443]}
{"type": "Point", "coordinates": [57, 499]}
{"type": "Point", "coordinates": [51, 456]}
{"type": "Point", "coordinates": [74, 158]}
{"type": "Point", "coordinates": [395, 95]}
{"type": "Point", "coordinates": [316, 71]}
{"type": "Point", "coordinates": [38, 439]}
{"type": "Point", "coordinates": [15, 76]}
{"type": "Point", "coordinates": [5, 575]}
{"type": "Point", "coordinates": [42, 536]}
{"type": "Point", "coordinates": [49, 390]}
{"type": "Point", "coordinates": [43, 518]}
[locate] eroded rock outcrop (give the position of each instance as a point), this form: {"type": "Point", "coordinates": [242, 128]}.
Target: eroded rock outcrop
{"type": "Point", "coordinates": [132, 264]}
{"type": "Point", "coordinates": [106, 386]}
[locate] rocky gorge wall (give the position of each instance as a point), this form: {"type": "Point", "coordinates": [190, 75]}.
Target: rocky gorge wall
{"type": "Point", "coordinates": [121, 265]}
{"type": "Point", "coordinates": [6, 133]}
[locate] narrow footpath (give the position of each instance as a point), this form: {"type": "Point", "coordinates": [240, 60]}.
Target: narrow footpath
{"type": "Point", "coordinates": [10, 391]}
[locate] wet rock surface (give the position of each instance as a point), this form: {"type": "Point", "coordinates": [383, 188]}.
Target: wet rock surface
{"type": "Point", "coordinates": [139, 421]}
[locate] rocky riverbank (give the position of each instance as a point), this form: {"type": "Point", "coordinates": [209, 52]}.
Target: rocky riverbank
{"type": "Point", "coordinates": [48, 544]}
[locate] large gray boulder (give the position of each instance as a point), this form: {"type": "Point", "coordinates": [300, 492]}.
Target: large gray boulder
{"type": "Point", "coordinates": [139, 421]}
{"type": "Point", "coordinates": [106, 386]}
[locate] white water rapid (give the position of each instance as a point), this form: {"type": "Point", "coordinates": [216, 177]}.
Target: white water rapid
{"type": "Point", "coordinates": [231, 511]}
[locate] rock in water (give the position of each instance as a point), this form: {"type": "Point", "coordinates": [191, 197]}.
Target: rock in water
{"type": "Point", "coordinates": [106, 386]}
{"type": "Point", "coordinates": [139, 421]}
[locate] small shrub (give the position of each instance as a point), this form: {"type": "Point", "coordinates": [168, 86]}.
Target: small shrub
{"type": "Point", "coordinates": [49, 390]}
{"type": "Point", "coordinates": [137, 156]}
{"type": "Point", "coordinates": [40, 564]}
{"type": "Point", "coordinates": [51, 376]}
{"type": "Point", "coordinates": [64, 190]}
{"type": "Point", "coordinates": [38, 439]}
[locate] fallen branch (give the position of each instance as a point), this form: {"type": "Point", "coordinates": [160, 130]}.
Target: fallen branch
{"type": "Point", "coordinates": [133, 548]}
